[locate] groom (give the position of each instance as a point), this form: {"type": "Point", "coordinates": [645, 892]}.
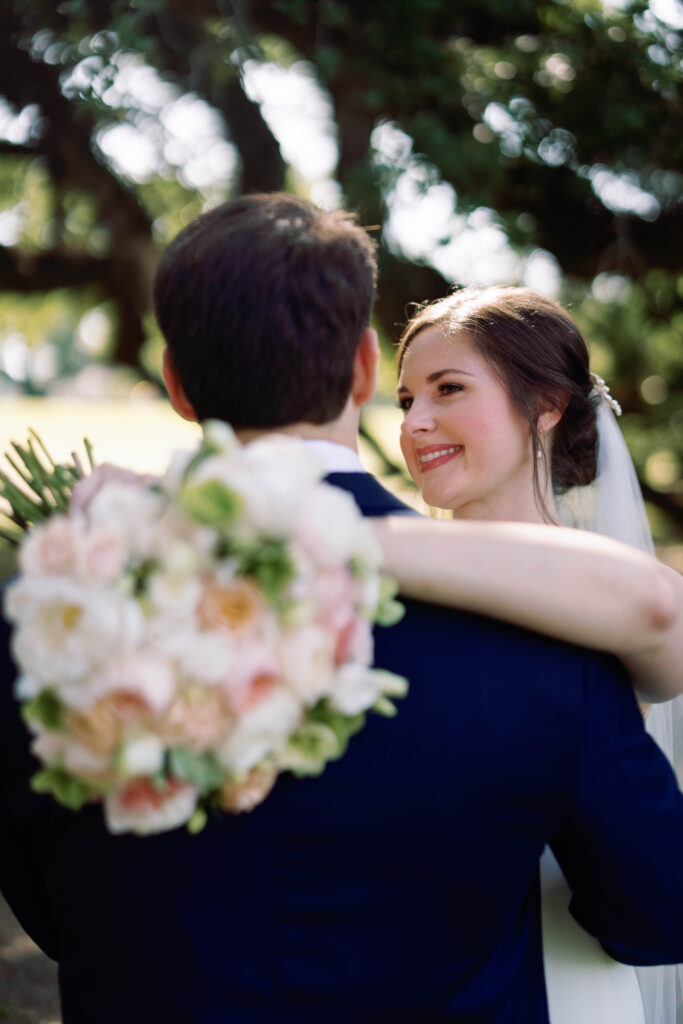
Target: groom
{"type": "Point", "coordinates": [402, 884]}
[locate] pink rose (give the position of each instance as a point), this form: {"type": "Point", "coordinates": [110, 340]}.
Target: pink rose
{"type": "Point", "coordinates": [52, 549]}
{"type": "Point", "coordinates": [251, 676]}
{"type": "Point", "coordinates": [142, 808]}
{"type": "Point", "coordinates": [331, 594]}
{"type": "Point", "coordinates": [355, 643]}
{"type": "Point", "coordinates": [104, 555]}
{"type": "Point", "coordinates": [88, 487]}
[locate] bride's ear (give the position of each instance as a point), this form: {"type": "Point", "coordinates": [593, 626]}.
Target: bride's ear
{"type": "Point", "coordinates": [549, 417]}
{"type": "Point", "coordinates": [176, 392]}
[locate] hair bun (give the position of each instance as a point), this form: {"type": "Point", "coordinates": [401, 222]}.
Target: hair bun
{"type": "Point", "coordinates": [575, 444]}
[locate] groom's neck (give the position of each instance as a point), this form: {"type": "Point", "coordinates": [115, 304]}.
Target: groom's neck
{"type": "Point", "coordinates": [336, 432]}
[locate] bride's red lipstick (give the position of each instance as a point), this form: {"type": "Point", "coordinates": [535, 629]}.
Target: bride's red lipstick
{"type": "Point", "coordinates": [433, 455]}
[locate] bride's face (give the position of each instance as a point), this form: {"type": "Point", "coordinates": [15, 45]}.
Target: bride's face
{"type": "Point", "coordinates": [467, 446]}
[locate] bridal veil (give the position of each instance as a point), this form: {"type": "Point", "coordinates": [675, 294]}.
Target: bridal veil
{"type": "Point", "coordinates": [613, 505]}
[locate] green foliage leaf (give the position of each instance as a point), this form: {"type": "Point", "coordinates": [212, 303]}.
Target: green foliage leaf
{"type": "Point", "coordinates": [46, 709]}
{"type": "Point", "coordinates": [389, 610]}
{"type": "Point", "coordinates": [270, 564]}
{"type": "Point", "coordinates": [211, 504]}
{"type": "Point", "coordinates": [200, 770]}
{"type": "Point", "coordinates": [343, 726]}
{"type": "Point", "coordinates": [70, 792]}
{"type": "Point", "coordinates": [309, 749]}
{"type": "Point", "coordinates": [197, 821]}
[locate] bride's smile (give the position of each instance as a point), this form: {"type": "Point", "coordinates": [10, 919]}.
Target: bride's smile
{"type": "Point", "coordinates": [432, 455]}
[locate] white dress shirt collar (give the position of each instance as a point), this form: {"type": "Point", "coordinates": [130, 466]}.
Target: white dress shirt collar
{"type": "Point", "coordinates": [336, 458]}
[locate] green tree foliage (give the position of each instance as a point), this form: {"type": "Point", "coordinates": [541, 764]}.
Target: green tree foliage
{"type": "Point", "coordinates": [557, 124]}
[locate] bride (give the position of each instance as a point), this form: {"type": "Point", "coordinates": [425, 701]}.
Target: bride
{"type": "Point", "coordinates": [503, 422]}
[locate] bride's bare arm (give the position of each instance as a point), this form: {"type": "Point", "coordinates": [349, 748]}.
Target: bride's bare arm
{"type": "Point", "coordinates": [575, 586]}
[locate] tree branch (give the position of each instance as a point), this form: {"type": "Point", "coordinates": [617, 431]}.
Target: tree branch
{"type": "Point", "coordinates": [29, 149]}
{"type": "Point", "coordinates": [32, 271]}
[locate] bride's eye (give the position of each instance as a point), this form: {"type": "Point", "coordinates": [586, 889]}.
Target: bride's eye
{"type": "Point", "coordinates": [447, 388]}
{"type": "Point", "coordinates": [405, 403]}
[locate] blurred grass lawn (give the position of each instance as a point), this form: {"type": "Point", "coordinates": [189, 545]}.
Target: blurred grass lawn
{"type": "Point", "coordinates": [140, 435]}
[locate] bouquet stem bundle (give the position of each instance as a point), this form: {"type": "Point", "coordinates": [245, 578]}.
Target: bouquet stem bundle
{"type": "Point", "coordinates": [47, 486]}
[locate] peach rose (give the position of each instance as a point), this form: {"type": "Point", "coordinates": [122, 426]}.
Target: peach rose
{"type": "Point", "coordinates": [101, 728]}
{"type": "Point", "coordinates": [235, 606]}
{"type": "Point", "coordinates": [244, 796]}
{"type": "Point", "coordinates": [198, 719]}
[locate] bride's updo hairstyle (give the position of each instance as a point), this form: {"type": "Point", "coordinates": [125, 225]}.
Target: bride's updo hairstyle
{"type": "Point", "coordinates": [541, 358]}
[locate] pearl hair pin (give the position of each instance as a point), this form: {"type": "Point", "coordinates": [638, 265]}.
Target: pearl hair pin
{"type": "Point", "coordinates": [603, 390]}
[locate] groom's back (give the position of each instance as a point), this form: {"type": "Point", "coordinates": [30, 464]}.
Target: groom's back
{"type": "Point", "coordinates": [407, 875]}
{"type": "Point", "coordinates": [399, 885]}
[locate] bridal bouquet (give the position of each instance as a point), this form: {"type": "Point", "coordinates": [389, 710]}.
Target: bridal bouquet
{"type": "Point", "coordinates": [182, 640]}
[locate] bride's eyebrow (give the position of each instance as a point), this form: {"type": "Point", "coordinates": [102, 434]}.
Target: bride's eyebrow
{"type": "Point", "coordinates": [432, 377]}
{"type": "Point", "coordinates": [441, 373]}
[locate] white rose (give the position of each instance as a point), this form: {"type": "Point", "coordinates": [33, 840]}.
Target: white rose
{"type": "Point", "coordinates": [272, 476]}
{"type": "Point", "coordinates": [219, 434]}
{"type": "Point", "coordinates": [355, 688]}
{"type": "Point", "coordinates": [307, 660]}
{"type": "Point", "coordinates": [175, 471]}
{"type": "Point", "coordinates": [331, 528]}
{"type": "Point", "coordinates": [26, 688]}
{"type": "Point", "coordinates": [143, 755]}
{"type": "Point", "coordinates": [200, 656]}
{"type": "Point", "coordinates": [367, 592]}
{"type": "Point", "coordinates": [181, 545]}
{"type": "Point", "coordinates": [131, 507]}
{"type": "Point", "coordinates": [159, 813]}
{"type": "Point", "coordinates": [368, 549]}
{"type": "Point", "coordinates": [180, 557]}
{"type": "Point", "coordinates": [65, 630]}
{"type": "Point", "coordinates": [142, 673]}
{"type": "Point", "coordinates": [173, 595]}
{"type": "Point", "coordinates": [259, 731]}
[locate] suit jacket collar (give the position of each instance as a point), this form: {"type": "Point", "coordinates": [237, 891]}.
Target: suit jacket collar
{"type": "Point", "coordinates": [370, 496]}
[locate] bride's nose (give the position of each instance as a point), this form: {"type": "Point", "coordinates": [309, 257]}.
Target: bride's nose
{"type": "Point", "coordinates": [417, 420]}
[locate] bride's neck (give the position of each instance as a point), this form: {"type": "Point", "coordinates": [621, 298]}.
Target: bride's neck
{"type": "Point", "coordinates": [517, 508]}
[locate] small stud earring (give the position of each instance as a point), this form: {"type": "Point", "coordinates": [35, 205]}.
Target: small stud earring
{"type": "Point", "coordinates": [539, 452]}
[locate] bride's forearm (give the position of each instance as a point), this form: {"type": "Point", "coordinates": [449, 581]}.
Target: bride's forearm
{"type": "Point", "coordinates": [575, 586]}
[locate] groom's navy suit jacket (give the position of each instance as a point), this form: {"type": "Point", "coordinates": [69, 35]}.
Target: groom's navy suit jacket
{"type": "Point", "coordinates": [399, 886]}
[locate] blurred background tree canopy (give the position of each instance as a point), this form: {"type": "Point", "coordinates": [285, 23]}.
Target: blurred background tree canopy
{"type": "Point", "coordinates": [530, 142]}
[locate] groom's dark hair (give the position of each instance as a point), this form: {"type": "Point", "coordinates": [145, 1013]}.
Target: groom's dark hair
{"type": "Point", "coordinates": [262, 302]}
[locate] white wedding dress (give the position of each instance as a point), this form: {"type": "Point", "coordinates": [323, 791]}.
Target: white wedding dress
{"type": "Point", "coordinates": [584, 984]}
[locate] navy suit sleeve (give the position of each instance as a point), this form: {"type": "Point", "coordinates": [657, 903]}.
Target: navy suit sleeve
{"type": "Point", "coordinates": [22, 815]}
{"type": "Point", "coordinates": [622, 850]}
